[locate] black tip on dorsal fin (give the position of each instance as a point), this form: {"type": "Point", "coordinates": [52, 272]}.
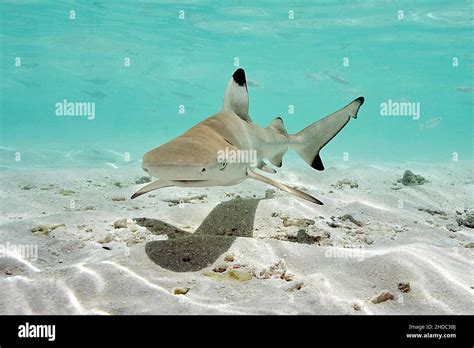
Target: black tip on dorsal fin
{"type": "Point", "coordinates": [239, 77]}
{"type": "Point", "coordinates": [236, 98]}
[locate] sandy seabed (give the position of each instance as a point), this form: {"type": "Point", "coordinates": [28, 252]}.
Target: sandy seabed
{"type": "Point", "coordinates": [72, 242]}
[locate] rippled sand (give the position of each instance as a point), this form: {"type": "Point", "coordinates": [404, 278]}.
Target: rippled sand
{"type": "Point", "coordinates": [337, 265]}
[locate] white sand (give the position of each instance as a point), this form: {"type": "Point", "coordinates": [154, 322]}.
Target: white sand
{"type": "Point", "coordinates": [396, 243]}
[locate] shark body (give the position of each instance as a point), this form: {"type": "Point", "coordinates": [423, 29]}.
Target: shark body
{"type": "Point", "coordinates": [211, 152]}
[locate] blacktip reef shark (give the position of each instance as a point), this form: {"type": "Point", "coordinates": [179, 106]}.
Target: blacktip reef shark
{"type": "Point", "coordinates": [194, 159]}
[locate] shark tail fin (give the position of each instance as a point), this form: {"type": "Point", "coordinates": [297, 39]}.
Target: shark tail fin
{"type": "Point", "coordinates": [309, 141]}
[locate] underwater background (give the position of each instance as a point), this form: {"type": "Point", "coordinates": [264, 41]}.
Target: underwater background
{"type": "Point", "coordinates": [153, 69]}
{"type": "Point", "coordinates": [394, 234]}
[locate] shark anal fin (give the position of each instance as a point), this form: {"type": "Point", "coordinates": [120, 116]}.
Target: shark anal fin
{"type": "Point", "coordinates": [281, 186]}
{"type": "Point", "coordinates": [264, 166]}
{"type": "Point", "coordinates": [268, 169]}
{"type": "Point", "coordinates": [236, 97]}
{"type": "Point", "coordinates": [277, 160]}
{"type": "Point", "coordinates": [155, 185]}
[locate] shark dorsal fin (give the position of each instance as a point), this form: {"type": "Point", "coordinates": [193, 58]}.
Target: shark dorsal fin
{"type": "Point", "coordinates": [236, 97]}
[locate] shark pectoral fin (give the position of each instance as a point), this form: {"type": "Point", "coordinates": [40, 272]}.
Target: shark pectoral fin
{"type": "Point", "coordinates": [281, 186]}
{"type": "Point", "coordinates": [150, 187]}
{"type": "Point", "coordinates": [236, 97]}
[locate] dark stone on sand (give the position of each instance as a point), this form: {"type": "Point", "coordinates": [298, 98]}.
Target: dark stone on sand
{"type": "Point", "coordinates": [303, 237]}
{"type": "Point", "coordinates": [346, 182]}
{"type": "Point", "coordinates": [433, 211]}
{"type": "Point", "coordinates": [404, 287]}
{"type": "Point", "coordinates": [410, 179]}
{"type": "Point", "coordinates": [383, 296]}
{"type": "Point", "coordinates": [467, 221]}
{"type": "Point", "coordinates": [269, 193]}
{"type": "Point", "coordinates": [333, 224]}
{"type": "Point", "coordinates": [351, 219]}
{"type": "Point", "coordinates": [452, 227]}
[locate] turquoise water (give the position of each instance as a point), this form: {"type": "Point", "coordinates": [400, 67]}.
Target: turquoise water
{"type": "Point", "coordinates": [293, 53]}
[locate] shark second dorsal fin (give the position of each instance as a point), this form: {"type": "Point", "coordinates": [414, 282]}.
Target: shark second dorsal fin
{"type": "Point", "coordinates": [236, 97]}
{"type": "Point", "coordinates": [277, 124]}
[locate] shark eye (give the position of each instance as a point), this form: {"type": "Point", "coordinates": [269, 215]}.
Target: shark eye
{"type": "Point", "coordinates": [223, 165]}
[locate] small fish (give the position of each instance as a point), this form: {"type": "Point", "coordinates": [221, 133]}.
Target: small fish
{"type": "Point", "coordinates": [339, 79]}
{"type": "Point", "coordinates": [196, 158]}
{"type": "Point", "coordinates": [112, 165]}
{"type": "Point", "coordinates": [99, 4]}
{"type": "Point", "coordinates": [432, 123]}
{"type": "Point", "coordinates": [180, 81]}
{"type": "Point", "coordinates": [29, 84]}
{"type": "Point", "coordinates": [253, 83]}
{"type": "Point", "coordinates": [96, 94]}
{"type": "Point", "coordinates": [97, 81]}
{"type": "Point", "coordinates": [464, 89]}
{"type": "Point", "coordinates": [6, 148]}
{"type": "Point", "coordinates": [182, 95]}
{"type": "Point", "coordinates": [317, 76]}
{"type": "Point", "coordinates": [353, 91]}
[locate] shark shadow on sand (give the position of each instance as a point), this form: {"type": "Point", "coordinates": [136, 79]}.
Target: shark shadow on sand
{"type": "Point", "coordinates": [190, 252]}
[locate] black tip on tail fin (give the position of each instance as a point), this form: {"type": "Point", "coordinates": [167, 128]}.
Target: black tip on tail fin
{"type": "Point", "coordinates": [361, 101]}
{"type": "Point", "coordinates": [239, 77]}
{"type": "Point", "coordinates": [317, 163]}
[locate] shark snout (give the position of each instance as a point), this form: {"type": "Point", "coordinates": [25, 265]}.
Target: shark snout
{"type": "Point", "coordinates": [166, 169]}
{"type": "Point", "coordinates": [181, 159]}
